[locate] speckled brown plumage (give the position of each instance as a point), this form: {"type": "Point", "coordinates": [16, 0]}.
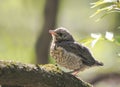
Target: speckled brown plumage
{"type": "Point", "coordinates": [69, 53]}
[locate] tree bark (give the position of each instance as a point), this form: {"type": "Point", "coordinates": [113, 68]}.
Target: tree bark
{"type": "Point", "coordinates": [43, 42]}
{"type": "Point", "coordinates": [10, 86]}
{"type": "Point", "coordinates": [28, 75]}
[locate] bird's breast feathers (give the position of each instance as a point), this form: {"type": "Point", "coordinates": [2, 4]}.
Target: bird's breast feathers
{"type": "Point", "coordinates": [64, 58]}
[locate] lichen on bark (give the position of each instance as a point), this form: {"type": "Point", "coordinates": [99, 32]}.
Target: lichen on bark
{"type": "Point", "coordinates": [30, 75]}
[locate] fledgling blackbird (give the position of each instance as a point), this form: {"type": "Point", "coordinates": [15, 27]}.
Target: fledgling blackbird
{"type": "Point", "coordinates": [70, 54]}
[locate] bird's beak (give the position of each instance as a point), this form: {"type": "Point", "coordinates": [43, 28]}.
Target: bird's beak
{"type": "Point", "coordinates": [52, 32]}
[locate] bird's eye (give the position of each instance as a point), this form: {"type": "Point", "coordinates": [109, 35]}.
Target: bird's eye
{"type": "Point", "coordinates": [60, 34]}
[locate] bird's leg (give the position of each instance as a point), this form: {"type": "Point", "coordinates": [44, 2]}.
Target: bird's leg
{"type": "Point", "coordinates": [74, 72]}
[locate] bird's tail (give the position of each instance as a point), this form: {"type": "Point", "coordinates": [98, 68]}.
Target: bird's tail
{"type": "Point", "coordinates": [97, 63]}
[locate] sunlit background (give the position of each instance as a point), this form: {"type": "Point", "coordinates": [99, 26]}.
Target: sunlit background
{"type": "Point", "coordinates": [21, 24]}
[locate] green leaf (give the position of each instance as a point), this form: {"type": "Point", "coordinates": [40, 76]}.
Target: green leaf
{"type": "Point", "coordinates": [102, 2]}
{"type": "Point", "coordinates": [106, 6]}
{"type": "Point", "coordinates": [100, 10]}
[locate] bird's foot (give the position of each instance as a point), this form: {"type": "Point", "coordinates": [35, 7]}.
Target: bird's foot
{"type": "Point", "coordinates": [74, 72]}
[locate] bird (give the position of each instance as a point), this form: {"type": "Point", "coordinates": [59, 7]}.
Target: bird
{"type": "Point", "coordinates": [70, 54]}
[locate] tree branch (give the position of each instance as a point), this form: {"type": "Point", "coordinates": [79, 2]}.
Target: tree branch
{"type": "Point", "coordinates": [28, 75]}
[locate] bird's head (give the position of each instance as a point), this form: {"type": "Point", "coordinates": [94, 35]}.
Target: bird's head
{"type": "Point", "coordinates": [61, 34]}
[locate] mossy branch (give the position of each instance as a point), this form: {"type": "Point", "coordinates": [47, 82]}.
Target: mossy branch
{"type": "Point", "coordinates": [29, 75]}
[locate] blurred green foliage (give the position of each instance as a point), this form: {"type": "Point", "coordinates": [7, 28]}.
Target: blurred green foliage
{"type": "Point", "coordinates": [105, 7]}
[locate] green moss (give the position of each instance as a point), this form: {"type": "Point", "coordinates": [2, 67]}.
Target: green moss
{"type": "Point", "coordinates": [51, 68]}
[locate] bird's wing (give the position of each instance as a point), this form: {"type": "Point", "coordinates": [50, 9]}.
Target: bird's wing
{"type": "Point", "coordinates": [79, 50]}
